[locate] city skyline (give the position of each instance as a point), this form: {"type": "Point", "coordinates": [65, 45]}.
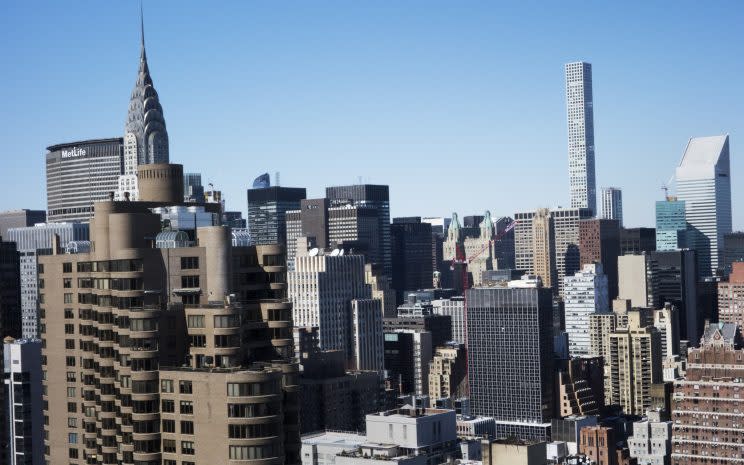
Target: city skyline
{"type": "Point", "coordinates": [445, 114]}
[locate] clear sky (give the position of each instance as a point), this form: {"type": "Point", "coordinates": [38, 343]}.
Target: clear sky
{"type": "Point", "coordinates": [458, 106]}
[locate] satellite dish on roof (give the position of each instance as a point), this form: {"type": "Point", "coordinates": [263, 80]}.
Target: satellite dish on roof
{"type": "Point", "coordinates": [313, 252]}
{"type": "Point", "coordinates": [335, 253]}
{"type": "Point", "coordinates": [340, 252]}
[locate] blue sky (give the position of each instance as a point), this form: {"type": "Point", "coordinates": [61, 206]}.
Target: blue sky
{"type": "Point", "coordinates": [458, 106]}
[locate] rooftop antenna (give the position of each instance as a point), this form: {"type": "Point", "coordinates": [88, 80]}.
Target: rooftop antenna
{"type": "Point", "coordinates": [360, 180]}
{"type": "Point", "coordinates": [276, 179]}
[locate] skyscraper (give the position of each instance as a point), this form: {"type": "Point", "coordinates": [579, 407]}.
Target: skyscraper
{"type": "Point", "coordinates": [580, 111]}
{"type": "Point", "coordinates": [10, 290]}
{"type": "Point", "coordinates": [671, 224]}
{"type": "Point", "coordinates": [19, 219]}
{"type": "Point", "coordinates": [612, 204]}
{"type": "Point", "coordinates": [704, 183]}
{"type": "Point", "coordinates": [585, 293]}
{"type": "Point", "coordinates": [78, 174]}
{"type": "Point", "coordinates": [267, 211]}
{"type": "Point", "coordinates": [193, 190]}
{"type": "Point", "coordinates": [599, 242]}
{"type": "Point", "coordinates": [329, 291]}
{"type": "Point", "coordinates": [412, 259]}
{"type": "Point", "coordinates": [33, 242]}
{"type": "Point", "coordinates": [376, 197]}
{"type": "Point", "coordinates": [149, 344]}
{"type": "Point", "coordinates": [733, 250]}
{"type": "Point", "coordinates": [510, 359]}
{"type": "Point", "coordinates": [706, 407]}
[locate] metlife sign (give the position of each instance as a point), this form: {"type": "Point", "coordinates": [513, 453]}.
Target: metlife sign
{"type": "Point", "coordinates": [73, 153]}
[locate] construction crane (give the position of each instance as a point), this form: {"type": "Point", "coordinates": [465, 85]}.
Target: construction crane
{"type": "Point", "coordinates": [665, 187]}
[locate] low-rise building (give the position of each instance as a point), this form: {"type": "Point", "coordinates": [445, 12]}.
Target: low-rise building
{"type": "Point", "coordinates": [651, 443]}
{"type": "Point", "coordinates": [513, 452]}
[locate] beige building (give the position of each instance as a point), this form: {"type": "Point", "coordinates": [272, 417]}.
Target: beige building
{"type": "Point", "coordinates": [166, 347]}
{"type": "Point", "coordinates": [512, 452]}
{"type": "Point", "coordinates": [543, 247]}
{"type": "Point", "coordinates": [480, 251]}
{"type": "Point", "coordinates": [635, 364]}
{"type": "Point", "coordinates": [634, 280]}
{"type": "Point", "coordinates": [447, 372]}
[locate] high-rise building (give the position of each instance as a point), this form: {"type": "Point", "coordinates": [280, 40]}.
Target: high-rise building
{"type": "Point", "coordinates": [543, 248]}
{"type": "Point", "coordinates": [635, 364]}
{"type": "Point", "coordinates": [599, 242]}
{"type": "Point", "coordinates": [637, 240]}
{"type": "Point", "coordinates": [706, 409]}
{"type": "Point", "coordinates": [408, 353]}
{"type": "Point", "coordinates": [651, 443]}
{"type": "Point", "coordinates": [580, 113]}
{"type": "Point", "coordinates": [453, 307]}
{"type": "Point", "coordinates": [19, 219]}
{"type": "Point", "coordinates": [704, 183]}
{"type": "Point", "coordinates": [675, 281]}
{"type": "Point", "coordinates": [145, 135]}
{"type": "Point", "coordinates": [412, 263]}
{"type": "Point", "coordinates": [636, 280]}
{"type": "Point", "coordinates": [580, 386]}
{"type": "Point", "coordinates": [504, 247]}
{"type": "Point", "coordinates": [585, 293]}
{"type": "Point", "coordinates": [731, 297]}
{"type": "Point", "coordinates": [150, 341]}
{"type": "Point", "coordinates": [378, 198]}
{"type": "Point", "coordinates": [381, 289]}
{"type": "Point", "coordinates": [31, 243]}
{"type": "Point", "coordinates": [309, 225]}
{"type": "Point", "coordinates": [22, 394]}
{"type": "Point", "coordinates": [612, 204]}
{"type": "Point", "coordinates": [671, 224]}
{"type": "Point", "coordinates": [193, 190]}
{"type": "Point", "coordinates": [10, 290]}
{"type": "Point", "coordinates": [566, 234]}
{"type": "Point", "coordinates": [78, 174]}
{"type": "Point", "coordinates": [733, 250]}
{"type": "Point", "coordinates": [439, 226]}
{"type": "Point", "coordinates": [510, 359]}
{"type": "Point", "coordinates": [329, 291]}
{"type": "Point", "coordinates": [267, 210]}
{"type": "Point", "coordinates": [447, 372]}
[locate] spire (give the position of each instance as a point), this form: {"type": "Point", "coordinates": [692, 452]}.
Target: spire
{"type": "Point", "coordinates": [143, 55]}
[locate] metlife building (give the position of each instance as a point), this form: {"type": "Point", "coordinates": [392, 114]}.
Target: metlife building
{"type": "Point", "coordinates": [79, 174]}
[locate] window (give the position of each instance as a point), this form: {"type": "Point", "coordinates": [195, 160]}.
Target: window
{"type": "Point", "coordinates": [66, 283]}
{"type": "Point", "coordinates": [251, 452]}
{"type": "Point", "coordinates": [67, 267]}
{"type": "Point", "coordinates": [195, 321]}
{"type": "Point", "coordinates": [73, 453]}
{"type": "Point", "coordinates": [41, 298]}
{"type": "Point", "coordinates": [247, 389]}
{"type": "Point", "coordinates": [187, 447]}
{"type": "Point", "coordinates": [168, 406]}
{"type": "Point", "coordinates": [190, 281]}
{"type": "Point", "coordinates": [166, 385]}
{"type": "Point", "coordinates": [69, 343]}
{"type": "Point", "coordinates": [40, 268]}
{"type": "Point", "coordinates": [169, 445]}
{"type": "Point", "coordinates": [185, 387]}
{"type": "Point", "coordinates": [72, 438]}
{"type": "Point", "coordinates": [72, 422]}
{"type": "Point", "coordinates": [69, 329]}
{"type": "Point", "coordinates": [187, 407]}
{"type": "Point", "coordinates": [169, 426]}
{"type": "Point", "coordinates": [41, 283]}
{"type": "Point", "coordinates": [68, 298]}
{"type": "Point", "coordinates": [226, 321]}
{"type": "Point", "coordinates": [143, 324]}
{"type": "Point", "coordinates": [187, 427]}
{"type": "Point", "coordinates": [189, 263]}
{"type": "Point", "coordinates": [198, 340]}
{"type": "Point", "coordinates": [71, 407]}
{"type": "Point", "coordinates": [70, 392]}
{"type": "Point", "coordinates": [70, 361]}
{"type": "Point", "coordinates": [70, 376]}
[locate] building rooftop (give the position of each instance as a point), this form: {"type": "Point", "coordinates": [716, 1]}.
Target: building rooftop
{"type": "Point", "coordinates": [335, 438]}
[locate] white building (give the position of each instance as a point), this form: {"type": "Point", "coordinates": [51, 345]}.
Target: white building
{"type": "Point", "coordinates": [704, 183]}
{"type": "Point", "coordinates": [651, 443]}
{"type": "Point", "coordinates": [31, 242]}
{"type": "Point", "coordinates": [585, 294]}
{"type": "Point", "coordinates": [470, 426]}
{"type": "Point", "coordinates": [407, 436]}
{"type": "Point", "coordinates": [329, 291]}
{"type": "Point", "coordinates": [612, 204]}
{"type": "Point", "coordinates": [23, 400]}
{"type": "Point", "coordinates": [454, 308]}
{"type": "Point", "coordinates": [580, 114]}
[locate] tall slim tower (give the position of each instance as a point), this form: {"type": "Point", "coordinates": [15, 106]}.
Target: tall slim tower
{"type": "Point", "coordinates": [145, 136]}
{"type": "Point", "coordinates": [580, 111]}
{"type": "Point", "coordinates": [704, 184]}
{"type": "Point", "coordinates": [612, 204]}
